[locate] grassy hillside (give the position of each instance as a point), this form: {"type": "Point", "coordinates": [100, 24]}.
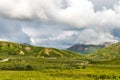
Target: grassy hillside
{"type": "Point", "coordinates": [108, 53]}
{"type": "Point", "coordinates": [9, 48]}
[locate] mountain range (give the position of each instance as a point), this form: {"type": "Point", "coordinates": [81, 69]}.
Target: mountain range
{"type": "Point", "coordinates": [88, 48]}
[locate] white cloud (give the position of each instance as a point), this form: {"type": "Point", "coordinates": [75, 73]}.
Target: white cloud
{"type": "Point", "coordinates": [89, 36]}
{"type": "Point", "coordinates": [77, 13]}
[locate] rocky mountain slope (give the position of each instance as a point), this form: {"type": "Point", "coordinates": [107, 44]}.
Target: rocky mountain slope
{"type": "Point", "coordinates": [85, 49]}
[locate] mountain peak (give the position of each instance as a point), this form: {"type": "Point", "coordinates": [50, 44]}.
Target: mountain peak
{"type": "Point", "coordinates": [88, 48]}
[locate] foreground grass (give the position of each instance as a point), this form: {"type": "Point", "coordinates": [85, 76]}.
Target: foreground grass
{"type": "Point", "coordinates": [90, 73]}
{"type": "Point", "coordinates": [33, 68]}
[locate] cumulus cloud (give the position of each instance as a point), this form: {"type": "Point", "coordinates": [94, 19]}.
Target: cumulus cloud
{"type": "Point", "coordinates": [62, 22]}
{"type": "Point", "coordinates": [94, 37]}
{"type": "Point", "coordinates": [51, 10]}
{"type": "Point", "coordinates": [76, 13]}
{"type": "Point", "coordinates": [50, 35]}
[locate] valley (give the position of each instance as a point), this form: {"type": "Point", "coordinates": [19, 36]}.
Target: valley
{"type": "Point", "coordinates": [21, 61]}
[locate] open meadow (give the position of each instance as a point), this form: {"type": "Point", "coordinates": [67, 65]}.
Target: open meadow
{"type": "Point", "coordinates": [58, 69]}
{"type": "Point", "coordinates": [90, 73]}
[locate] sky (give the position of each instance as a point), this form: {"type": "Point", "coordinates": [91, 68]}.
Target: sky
{"type": "Point", "coordinates": [60, 23]}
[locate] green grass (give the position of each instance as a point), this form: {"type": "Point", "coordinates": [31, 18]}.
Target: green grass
{"type": "Point", "coordinates": [59, 69]}
{"type": "Point", "coordinates": [90, 73]}
{"type": "Point", "coordinates": [38, 63]}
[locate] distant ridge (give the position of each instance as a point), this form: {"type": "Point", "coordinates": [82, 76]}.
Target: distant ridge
{"type": "Point", "coordinates": [88, 48]}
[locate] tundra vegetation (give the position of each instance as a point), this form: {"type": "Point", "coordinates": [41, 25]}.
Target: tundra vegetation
{"type": "Point", "coordinates": [26, 62]}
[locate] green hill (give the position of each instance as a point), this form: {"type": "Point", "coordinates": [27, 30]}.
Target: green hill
{"type": "Point", "coordinates": [108, 53]}
{"type": "Point", "coordinates": [10, 48]}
